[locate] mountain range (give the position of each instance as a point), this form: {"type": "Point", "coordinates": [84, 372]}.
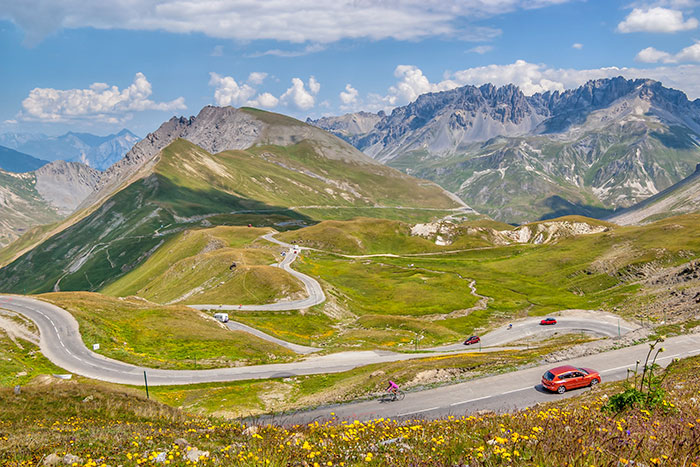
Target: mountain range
{"type": "Point", "coordinates": [604, 146]}
{"type": "Point", "coordinates": [99, 152]}
{"type": "Point", "coordinates": [225, 166]}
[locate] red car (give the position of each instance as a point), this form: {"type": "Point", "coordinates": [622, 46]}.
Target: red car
{"type": "Point", "coordinates": [547, 321]}
{"type": "Point", "coordinates": [564, 378]}
{"type": "Point", "coordinates": [472, 340]}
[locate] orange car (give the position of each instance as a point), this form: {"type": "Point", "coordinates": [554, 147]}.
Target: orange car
{"type": "Point", "coordinates": [564, 378]}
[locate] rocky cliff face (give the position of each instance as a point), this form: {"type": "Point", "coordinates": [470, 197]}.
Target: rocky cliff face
{"type": "Point", "coordinates": [603, 146]}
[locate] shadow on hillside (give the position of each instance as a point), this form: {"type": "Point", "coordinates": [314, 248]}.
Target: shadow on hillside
{"type": "Point", "coordinates": [128, 228]}
{"type": "Point", "coordinates": [561, 207]}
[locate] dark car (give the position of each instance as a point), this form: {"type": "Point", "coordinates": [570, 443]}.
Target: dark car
{"type": "Point", "coordinates": [472, 340]}
{"type": "Point", "coordinates": [548, 321]}
{"type": "Point", "coordinates": [564, 378]}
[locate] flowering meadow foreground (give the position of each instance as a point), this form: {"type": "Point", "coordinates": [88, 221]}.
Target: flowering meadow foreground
{"type": "Point", "coordinates": [79, 424]}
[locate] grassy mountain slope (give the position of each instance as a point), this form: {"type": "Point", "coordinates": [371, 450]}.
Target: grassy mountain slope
{"type": "Point", "coordinates": [365, 236]}
{"type": "Point", "coordinates": [681, 198]}
{"type": "Point", "coordinates": [589, 171]}
{"type": "Point", "coordinates": [196, 266]}
{"type": "Point", "coordinates": [190, 187]}
{"type": "Point", "coordinates": [387, 300]}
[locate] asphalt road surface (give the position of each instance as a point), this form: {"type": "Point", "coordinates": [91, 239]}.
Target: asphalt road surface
{"type": "Point", "coordinates": [591, 322]}
{"type": "Point", "coordinates": [61, 343]}
{"type": "Point", "coordinates": [500, 393]}
{"type": "Point", "coordinates": [313, 288]}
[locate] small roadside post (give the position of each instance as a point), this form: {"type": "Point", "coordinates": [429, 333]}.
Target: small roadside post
{"type": "Point", "coordinates": [618, 328]}
{"type": "Point", "coordinates": [145, 380]}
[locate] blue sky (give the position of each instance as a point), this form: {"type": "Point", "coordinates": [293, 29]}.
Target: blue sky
{"type": "Point", "coordinates": [135, 63]}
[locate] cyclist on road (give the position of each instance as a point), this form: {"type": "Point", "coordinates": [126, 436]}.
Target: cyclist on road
{"type": "Point", "coordinates": [393, 387]}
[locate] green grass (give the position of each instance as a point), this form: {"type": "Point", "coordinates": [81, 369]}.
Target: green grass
{"type": "Point", "coordinates": [305, 328]}
{"type": "Point", "coordinates": [21, 361]}
{"type": "Point", "coordinates": [196, 267]}
{"type": "Point", "coordinates": [162, 337]}
{"type": "Point", "coordinates": [258, 186]}
{"type": "Point", "coordinates": [370, 236]}
{"type": "Point", "coordinates": [391, 287]}
{"type": "Point", "coordinates": [183, 245]}
{"type": "Point", "coordinates": [118, 427]}
{"type": "Point", "coordinates": [589, 272]}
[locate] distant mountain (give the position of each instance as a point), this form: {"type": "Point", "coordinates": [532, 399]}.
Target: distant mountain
{"type": "Point", "coordinates": [603, 146]}
{"type": "Point", "coordinates": [225, 166]}
{"type": "Point", "coordinates": [98, 152]}
{"type": "Point", "coordinates": [18, 162]}
{"type": "Point", "coordinates": [681, 198]}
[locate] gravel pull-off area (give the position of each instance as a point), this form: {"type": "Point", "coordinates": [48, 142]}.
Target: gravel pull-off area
{"type": "Point", "coordinates": [15, 330]}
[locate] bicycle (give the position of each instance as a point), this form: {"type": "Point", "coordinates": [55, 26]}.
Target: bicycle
{"type": "Point", "coordinates": [392, 396]}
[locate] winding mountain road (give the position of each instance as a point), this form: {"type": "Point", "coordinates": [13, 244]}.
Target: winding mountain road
{"type": "Point", "coordinates": [61, 343]}
{"type": "Point", "coordinates": [313, 288]}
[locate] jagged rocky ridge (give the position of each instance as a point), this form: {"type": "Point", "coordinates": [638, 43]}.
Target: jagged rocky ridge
{"type": "Point", "coordinates": [603, 146]}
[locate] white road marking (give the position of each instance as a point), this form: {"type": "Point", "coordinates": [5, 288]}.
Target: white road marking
{"type": "Point", "coordinates": [515, 390]}
{"type": "Point", "coordinates": [417, 411]}
{"type": "Point", "coordinates": [470, 400]}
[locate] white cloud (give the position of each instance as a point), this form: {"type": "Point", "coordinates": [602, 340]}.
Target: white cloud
{"type": "Point", "coordinates": [10, 122]}
{"type": "Point", "coordinates": [314, 85]}
{"type": "Point", "coordinates": [257, 77]}
{"type": "Point", "coordinates": [577, 45]}
{"type": "Point", "coordinates": [481, 49]}
{"type": "Point", "coordinates": [349, 96]}
{"type": "Point", "coordinates": [299, 21]}
{"type": "Point", "coordinates": [218, 51]}
{"type": "Point", "coordinates": [656, 19]}
{"type": "Point", "coordinates": [265, 100]}
{"type": "Point", "coordinates": [689, 54]}
{"type": "Point", "coordinates": [99, 102]}
{"type": "Point", "coordinates": [652, 55]}
{"type": "Point", "coordinates": [229, 92]}
{"type": "Point", "coordinates": [298, 97]}
{"type": "Point", "coordinates": [412, 83]}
